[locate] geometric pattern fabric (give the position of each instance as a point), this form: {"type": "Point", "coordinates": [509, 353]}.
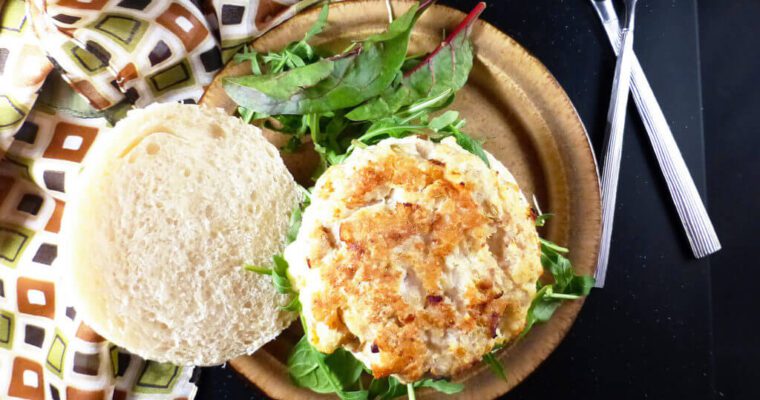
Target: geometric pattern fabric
{"type": "Point", "coordinates": [68, 70]}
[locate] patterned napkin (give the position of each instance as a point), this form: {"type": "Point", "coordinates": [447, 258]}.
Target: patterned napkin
{"type": "Point", "coordinates": [116, 54]}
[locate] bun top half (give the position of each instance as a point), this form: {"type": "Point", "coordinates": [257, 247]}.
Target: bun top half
{"type": "Point", "coordinates": [170, 206]}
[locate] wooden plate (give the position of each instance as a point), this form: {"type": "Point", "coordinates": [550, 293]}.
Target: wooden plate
{"type": "Point", "coordinates": [528, 122]}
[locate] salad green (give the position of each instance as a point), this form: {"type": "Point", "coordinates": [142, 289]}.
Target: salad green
{"type": "Point", "coordinates": [369, 92]}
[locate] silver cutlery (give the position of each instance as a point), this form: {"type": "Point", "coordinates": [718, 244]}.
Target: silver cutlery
{"type": "Point", "coordinates": [699, 229]}
{"type": "Point", "coordinates": [614, 138]}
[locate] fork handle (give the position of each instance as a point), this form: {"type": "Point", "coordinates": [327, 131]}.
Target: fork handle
{"type": "Point", "coordinates": [696, 222]}
{"type": "Point", "coordinates": [613, 149]}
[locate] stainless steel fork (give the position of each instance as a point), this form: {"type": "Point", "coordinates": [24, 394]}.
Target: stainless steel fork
{"type": "Point", "coordinates": [699, 229]}
{"type": "Point", "coordinates": [614, 137]}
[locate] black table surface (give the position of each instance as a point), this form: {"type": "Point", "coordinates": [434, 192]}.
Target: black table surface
{"type": "Point", "coordinates": [666, 326]}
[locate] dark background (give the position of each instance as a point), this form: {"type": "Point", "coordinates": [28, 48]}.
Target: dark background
{"type": "Point", "coordinates": [666, 326]}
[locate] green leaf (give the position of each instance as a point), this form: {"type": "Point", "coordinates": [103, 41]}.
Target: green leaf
{"type": "Point", "coordinates": [355, 395]}
{"type": "Point", "coordinates": [258, 270]}
{"type": "Point", "coordinates": [541, 219]}
{"type": "Point", "coordinates": [280, 275]}
{"type": "Point", "coordinates": [471, 145]}
{"type": "Point", "coordinates": [441, 385]}
{"type": "Point", "coordinates": [410, 392]}
{"type": "Point", "coordinates": [294, 305]}
{"type": "Point", "coordinates": [561, 270]}
{"type": "Point", "coordinates": [345, 367]}
{"type": "Point", "coordinates": [246, 114]}
{"type": "Point", "coordinates": [386, 388]}
{"type": "Point", "coordinates": [248, 54]}
{"type": "Point", "coordinates": [399, 27]}
{"type": "Point", "coordinates": [443, 120]}
{"type": "Point", "coordinates": [271, 93]}
{"type": "Point", "coordinates": [334, 373]}
{"type": "Point", "coordinates": [567, 285]}
{"type": "Point", "coordinates": [319, 24]}
{"type": "Point", "coordinates": [581, 285]}
{"type": "Point", "coordinates": [305, 366]}
{"type": "Point", "coordinates": [447, 68]}
{"type": "Point", "coordinates": [295, 224]}
{"type": "Point", "coordinates": [541, 309]}
{"type": "Point", "coordinates": [495, 365]}
{"type": "Point", "coordinates": [329, 84]}
{"type": "Point", "coordinates": [552, 247]}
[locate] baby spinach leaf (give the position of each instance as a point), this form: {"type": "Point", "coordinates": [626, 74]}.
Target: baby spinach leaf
{"type": "Point", "coordinates": [580, 285]}
{"type": "Point", "coordinates": [305, 366]}
{"type": "Point", "coordinates": [390, 388]}
{"type": "Point", "coordinates": [386, 388]}
{"type": "Point", "coordinates": [334, 373]}
{"type": "Point", "coordinates": [345, 366]}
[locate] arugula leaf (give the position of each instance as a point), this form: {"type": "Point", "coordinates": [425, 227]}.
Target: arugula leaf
{"type": "Point", "coordinates": [295, 221]}
{"type": "Point", "coordinates": [246, 114]}
{"type": "Point", "coordinates": [441, 385]}
{"type": "Point", "coordinates": [541, 310]}
{"type": "Point", "coordinates": [280, 275]}
{"type": "Point", "coordinates": [550, 247]}
{"type": "Point", "coordinates": [337, 82]}
{"type": "Point", "coordinates": [280, 280]}
{"type": "Point", "coordinates": [410, 392]}
{"type": "Point", "coordinates": [471, 145]}
{"type": "Point", "coordinates": [293, 306]}
{"type": "Point", "coordinates": [319, 24]}
{"type": "Point", "coordinates": [258, 270]}
{"type": "Point", "coordinates": [443, 120]}
{"type": "Point", "coordinates": [495, 365]}
{"type": "Point", "coordinates": [542, 218]}
{"type": "Point", "coordinates": [567, 285]}
{"type": "Point", "coordinates": [248, 54]}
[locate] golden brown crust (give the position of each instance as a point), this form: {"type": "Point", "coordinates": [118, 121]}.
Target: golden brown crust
{"type": "Point", "coordinates": [387, 256]}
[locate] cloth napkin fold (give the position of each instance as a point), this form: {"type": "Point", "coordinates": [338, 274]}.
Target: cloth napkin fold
{"type": "Point", "coordinates": [68, 70]}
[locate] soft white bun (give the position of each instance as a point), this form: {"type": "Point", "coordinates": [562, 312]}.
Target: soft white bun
{"type": "Point", "coordinates": [170, 206]}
